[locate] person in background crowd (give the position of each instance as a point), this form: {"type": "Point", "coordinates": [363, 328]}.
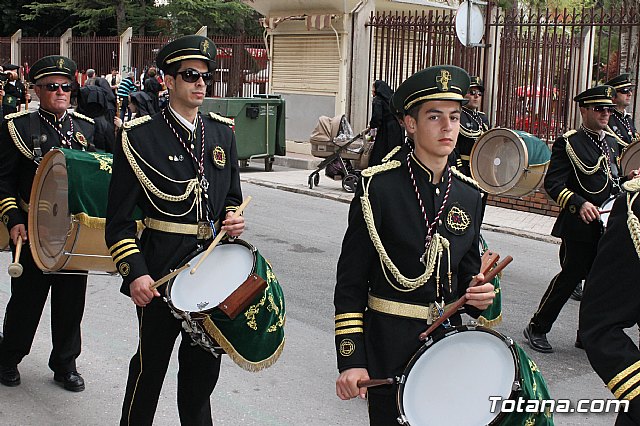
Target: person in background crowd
{"type": "Point", "coordinates": [126, 87]}
{"type": "Point", "coordinates": [114, 80]}
{"type": "Point", "coordinates": [389, 133]}
{"type": "Point", "coordinates": [91, 77]}
{"type": "Point", "coordinates": [152, 86]}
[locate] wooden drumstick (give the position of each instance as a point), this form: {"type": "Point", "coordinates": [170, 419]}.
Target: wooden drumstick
{"type": "Point", "coordinates": [375, 382]}
{"type": "Point", "coordinates": [169, 276]}
{"type": "Point", "coordinates": [15, 269]}
{"type": "Point", "coordinates": [458, 304]}
{"type": "Point", "coordinates": [220, 235]}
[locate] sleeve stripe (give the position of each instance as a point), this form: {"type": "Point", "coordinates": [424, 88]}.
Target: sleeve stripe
{"type": "Point", "coordinates": [349, 331]}
{"type": "Point", "coordinates": [6, 201]}
{"type": "Point", "coordinates": [627, 385]}
{"type": "Point", "coordinates": [125, 254]}
{"type": "Point", "coordinates": [348, 323]}
{"type": "Point", "coordinates": [349, 315]}
{"type": "Point", "coordinates": [624, 373]}
{"type": "Point", "coordinates": [121, 242]}
{"type": "Point", "coordinates": [126, 247]}
{"type": "Point", "coordinates": [632, 395]}
{"type": "Point", "coordinates": [7, 208]}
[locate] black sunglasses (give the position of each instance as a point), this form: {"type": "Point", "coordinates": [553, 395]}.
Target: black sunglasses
{"type": "Point", "coordinates": [475, 92]}
{"type": "Point", "coordinates": [53, 87]}
{"type": "Point", "coordinates": [602, 109]}
{"type": "Point", "coordinates": [191, 76]}
{"type": "Point", "coordinates": [625, 91]}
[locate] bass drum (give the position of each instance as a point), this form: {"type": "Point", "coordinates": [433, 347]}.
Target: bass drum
{"type": "Point", "coordinates": [509, 162]}
{"type": "Point", "coordinates": [630, 159]}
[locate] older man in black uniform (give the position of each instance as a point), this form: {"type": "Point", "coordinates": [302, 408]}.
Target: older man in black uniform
{"type": "Point", "coordinates": [176, 151]}
{"type": "Point", "coordinates": [473, 123]}
{"type": "Point", "coordinates": [611, 303]}
{"type": "Point", "coordinates": [582, 175]}
{"type": "Point", "coordinates": [621, 122]}
{"type": "Point", "coordinates": [389, 283]}
{"type": "Point", "coordinates": [24, 138]}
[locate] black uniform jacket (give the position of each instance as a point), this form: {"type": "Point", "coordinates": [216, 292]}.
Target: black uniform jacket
{"type": "Point", "coordinates": [14, 95]}
{"type": "Point", "coordinates": [166, 164]}
{"type": "Point", "coordinates": [571, 187]}
{"type": "Point", "coordinates": [623, 126]}
{"type": "Point", "coordinates": [17, 164]}
{"type": "Point", "coordinates": [611, 303]}
{"type": "Point", "coordinates": [472, 125]}
{"type": "Point", "coordinates": [385, 343]}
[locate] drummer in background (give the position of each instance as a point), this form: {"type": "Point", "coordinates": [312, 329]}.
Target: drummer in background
{"type": "Point", "coordinates": [176, 151]}
{"type": "Point", "coordinates": [381, 310]}
{"type": "Point", "coordinates": [582, 175]}
{"type": "Point", "coordinates": [51, 126]}
{"type": "Point", "coordinates": [611, 303]}
{"type": "Point", "coordinates": [473, 123]}
{"type": "Point", "coordinates": [621, 122]}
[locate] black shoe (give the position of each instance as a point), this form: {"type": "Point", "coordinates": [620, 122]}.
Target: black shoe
{"type": "Point", "coordinates": [578, 343]}
{"type": "Point", "coordinates": [537, 341]}
{"type": "Point", "coordinates": [577, 292]}
{"type": "Point", "coordinates": [9, 375]}
{"type": "Point", "coordinates": [1, 337]}
{"type": "Point", "coordinates": [72, 381]}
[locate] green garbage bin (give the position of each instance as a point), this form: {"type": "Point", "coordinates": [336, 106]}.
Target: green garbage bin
{"type": "Point", "coordinates": [259, 125]}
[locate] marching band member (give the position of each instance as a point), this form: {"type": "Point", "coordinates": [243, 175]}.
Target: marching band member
{"type": "Point", "coordinates": [621, 122]}
{"type": "Point", "coordinates": [181, 169]}
{"type": "Point", "coordinates": [390, 283]}
{"type": "Point", "coordinates": [473, 123]}
{"type": "Point", "coordinates": [24, 138]}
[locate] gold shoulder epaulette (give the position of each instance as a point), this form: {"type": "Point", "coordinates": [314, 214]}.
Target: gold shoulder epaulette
{"type": "Point", "coordinates": [84, 117]}
{"type": "Point", "coordinates": [373, 170]}
{"type": "Point", "coordinates": [570, 133]}
{"type": "Point", "coordinates": [457, 173]}
{"type": "Point", "coordinates": [391, 154]}
{"type": "Point", "coordinates": [136, 122]}
{"type": "Point", "coordinates": [221, 119]}
{"type": "Point", "coordinates": [16, 115]}
{"type": "Point", "coordinates": [632, 185]}
{"type": "Point", "coordinates": [609, 132]}
{"type": "Point", "coordinates": [480, 112]}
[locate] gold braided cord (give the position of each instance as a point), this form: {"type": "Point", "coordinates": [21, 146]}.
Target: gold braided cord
{"type": "Point", "coordinates": [587, 170]}
{"type": "Point", "coordinates": [391, 154]}
{"type": "Point", "coordinates": [633, 223]}
{"type": "Point", "coordinates": [17, 140]}
{"type": "Point", "coordinates": [614, 135]}
{"type": "Point", "coordinates": [632, 185]}
{"type": "Point", "coordinates": [470, 134]}
{"type": "Point", "coordinates": [195, 199]}
{"type": "Point", "coordinates": [464, 177]}
{"type": "Point", "coordinates": [370, 171]}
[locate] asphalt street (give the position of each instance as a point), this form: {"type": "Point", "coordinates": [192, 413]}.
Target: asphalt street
{"type": "Point", "coordinates": [301, 237]}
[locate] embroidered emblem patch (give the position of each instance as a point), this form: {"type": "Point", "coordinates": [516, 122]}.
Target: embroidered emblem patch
{"type": "Point", "coordinates": [219, 157]}
{"type": "Point", "coordinates": [609, 92]}
{"type": "Point", "coordinates": [61, 63]}
{"type": "Point", "coordinates": [204, 48]}
{"type": "Point", "coordinates": [572, 209]}
{"type": "Point", "coordinates": [124, 269]}
{"type": "Point", "coordinates": [5, 219]}
{"type": "Point", "coordinates": [443, 79]}
{"type": "Point", "coordinates": [347, 347]}
{"type": "Point", "coordinates": [80, 138]}
{"type": "Point", "coordinates": [458, 220]}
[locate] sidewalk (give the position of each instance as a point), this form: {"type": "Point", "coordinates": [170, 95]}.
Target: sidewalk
{"type": "Point", "coordinates": [299, 166]}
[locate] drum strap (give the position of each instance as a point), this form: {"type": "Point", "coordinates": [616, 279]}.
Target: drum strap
{"type": "Point", "coordinates": [36, 137]}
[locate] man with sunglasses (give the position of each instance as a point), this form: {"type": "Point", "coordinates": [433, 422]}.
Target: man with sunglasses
{"type": "Point", "coordinates": [24, 138]}
{"type": "Point", "coordinates": [621, 122]}
{"type": "Point", "coordinates": [473, 123]}
{"type": "Point", "coordinates": [582, 175]}
{"type": "Point", "coordinates": [176, 151]}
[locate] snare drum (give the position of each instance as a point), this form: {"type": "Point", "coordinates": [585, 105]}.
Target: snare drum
{"type": "Point", "coordinates": [630, 159]}
{"type": "Point", "coordinates": [509, 162]}
{"type": "Point", "coordinates": [464, 367]}
{"type": "Point", "coordinates": [605, 210]}
{"type": "Point", "coordinates": [254, 339]}
{"type": "Point", "coordinates": [67, 211]}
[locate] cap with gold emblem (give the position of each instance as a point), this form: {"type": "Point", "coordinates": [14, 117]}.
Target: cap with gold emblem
{"type": "Point", "coordinates": [438, 83]}
{"type": "Point", "coordinates": [596, 96]}
{"type": "Point", "coordinates": [10, 67]}
{"type": "Point", "coordinates": [52, 65]}
{"type": "Point", "coordinates": [476, 82]}
{"type": "Point", "coordinates": [620, 82]}
{"type": "Point", "coordinates": [187, 47]}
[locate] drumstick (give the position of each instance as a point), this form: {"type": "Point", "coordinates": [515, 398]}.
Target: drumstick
{"type": "Point", "coordinates": [169, 276]}
{"type": "Point", "coordinates": [221, 234]}
{"type": "Point", "coordinates": [458, 304]}
{"type": "Point", "coordinates": [15, 269]}
{"type": "Point", "coordinates": [604, 211]}
{"type": "Point", "coordinates": [375, 382]}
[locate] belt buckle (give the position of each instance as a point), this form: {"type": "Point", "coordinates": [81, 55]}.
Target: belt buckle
{"type": "Point", "coordinates": [204, 230]}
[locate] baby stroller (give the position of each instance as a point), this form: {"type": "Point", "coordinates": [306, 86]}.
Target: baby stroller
{"type": "Point", "coordinates": [333, 140]}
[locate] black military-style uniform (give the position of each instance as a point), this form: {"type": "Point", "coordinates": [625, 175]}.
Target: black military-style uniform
{"type": "Point", "coordinates": [472, 125]}
{"type": "Point", "coordinates": [623, 126]}
{"type": "Point", "coordinates": [151, 144]}
{"type": "Point", "coordinates": [14, 95]}
{"type": "Point", "coordinates": [367, 334]}
{"type": "Point", "coordinates": [611, 303]}
{"type": "Point", "coordinates": [577, 173]}
{"type": "Point", "coordinates": [29, 292]}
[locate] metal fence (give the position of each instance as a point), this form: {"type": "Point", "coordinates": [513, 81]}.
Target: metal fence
{"type": "Point", "coordinates": [97, 52]}
{"type": "Point", "coordinates": [5, 50]}
{"type": "Point", "coordinates": [34, 48]}
{"type": "Point", "coordinates": [144, 50]}
{"type": "Point", "coordinates": [242, 67]}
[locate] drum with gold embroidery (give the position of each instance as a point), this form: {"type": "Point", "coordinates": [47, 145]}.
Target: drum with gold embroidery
{"type": "Point", "coordinates": [509, 162]}
{"type": "Point", "coordinates": [67, 211]}
{"type": "Point", "coordinates": [253, 336]}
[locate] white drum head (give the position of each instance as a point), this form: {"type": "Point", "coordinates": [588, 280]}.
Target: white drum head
{"type": "Point", "coordinates": [605, 210]}
{"type": "Point", "coordinates": [462, 370]}
{"type": "Point", "coordinates": [224, 270]}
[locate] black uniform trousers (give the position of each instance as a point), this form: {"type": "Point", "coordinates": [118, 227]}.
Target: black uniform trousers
{"type": "Point", "coordinates": [23, 312]}
{"type": "Point", "coordinates": [383, 408]}
{"type": "Point", "coordinates": [578, 258]}
{"type": "Point", "coordinates": [198, 370]}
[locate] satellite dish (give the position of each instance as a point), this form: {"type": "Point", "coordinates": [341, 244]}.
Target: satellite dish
{"type": "Point", "coordinates": [469, 23]}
